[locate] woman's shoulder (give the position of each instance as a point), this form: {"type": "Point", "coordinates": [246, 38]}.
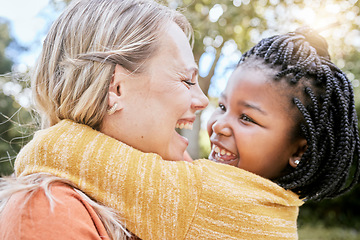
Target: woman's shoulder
{"type": "Point", "coordinates": [66, 216]}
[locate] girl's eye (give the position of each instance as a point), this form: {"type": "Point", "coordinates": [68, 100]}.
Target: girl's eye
{"type": "Point", "coordinates": [222, 107]}
{"type": "Point", "coordinates": [189, 82]}
{"type": "Point", "coordinates": [246, 118]}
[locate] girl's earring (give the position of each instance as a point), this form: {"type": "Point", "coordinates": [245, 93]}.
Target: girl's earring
{"type": "Point", "coordinates": [297, 162]}
{"type": "Point", "coordinates": [112, 110]}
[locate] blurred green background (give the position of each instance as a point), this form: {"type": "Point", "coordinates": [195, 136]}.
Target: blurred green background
{"type": "Point", "coordinates": [223, 30]}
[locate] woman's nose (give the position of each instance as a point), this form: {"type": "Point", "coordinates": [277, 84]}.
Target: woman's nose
{"type": "Point", "coordinates": [221, 127]}
{"type": "Point", "coordinates": [199, 99]}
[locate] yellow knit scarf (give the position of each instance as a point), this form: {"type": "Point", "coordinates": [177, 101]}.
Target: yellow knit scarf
{"type": "Point", "coordinates": [161, 199]}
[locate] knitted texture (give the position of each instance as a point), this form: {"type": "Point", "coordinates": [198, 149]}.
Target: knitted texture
{"type": "Point", "coordinates": [162, 199]}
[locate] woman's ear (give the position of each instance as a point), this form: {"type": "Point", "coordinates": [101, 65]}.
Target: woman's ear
{"type": "Point", "coordinates": [115, 88]}
{"type": "Point", "coordinates": [300, 150]}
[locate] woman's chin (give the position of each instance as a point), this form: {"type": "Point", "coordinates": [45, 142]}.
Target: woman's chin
{"type": "Point", "coordinates": [176, 153]}
{"type": "Point", "coordinates": [179, 147]}
{"type": "Point", "coordinates": [174, 156]}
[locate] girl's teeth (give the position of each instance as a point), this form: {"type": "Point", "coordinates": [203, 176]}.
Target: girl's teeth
{"type": "Point", "coordinates": [222, 151]}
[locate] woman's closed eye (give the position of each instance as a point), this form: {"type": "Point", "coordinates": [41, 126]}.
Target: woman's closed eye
{"type": "Point", "coordinates": [189, 83]}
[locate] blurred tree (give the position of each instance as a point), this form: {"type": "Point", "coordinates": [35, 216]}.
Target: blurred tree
{"type": "Point", "coordinates": [5, 67]}
{"type": "Point", "coordinates": [12, 133]}
{"type": "Point", "coordinates": [5, 40]}
{"type": "Point", "coordinates": [15, 130]}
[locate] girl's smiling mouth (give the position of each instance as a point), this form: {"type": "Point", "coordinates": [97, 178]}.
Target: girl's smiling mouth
{"type": "Point", "coordinates": [222, 155]}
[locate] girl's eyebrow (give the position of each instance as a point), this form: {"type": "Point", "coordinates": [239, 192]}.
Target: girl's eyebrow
{"type": "Point", "coordinates": [222, 95]}
{"type": "Point", "coordinates": [245, 104]}
{"type": "Point", "coordinates": [252, 106]}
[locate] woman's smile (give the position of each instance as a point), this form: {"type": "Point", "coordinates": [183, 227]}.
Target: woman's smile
{"type": "Point", "coordinates": [185, 123]}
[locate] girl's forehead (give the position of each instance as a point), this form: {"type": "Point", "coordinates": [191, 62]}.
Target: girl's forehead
{"type": "Point", "coordinates": [245, 76]}
{"type": "Point", "coordinates": [248, 84]}
{"type": "Point", "coordinates": [260, 74]}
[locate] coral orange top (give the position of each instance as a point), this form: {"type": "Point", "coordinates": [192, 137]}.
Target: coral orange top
{"type": "Point", "coordinates": [28, 217]}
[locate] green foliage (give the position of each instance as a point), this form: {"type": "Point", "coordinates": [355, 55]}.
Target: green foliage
{"type": "Point", "coordinates": [15, 123]}
{"type": "Point", "coordinates": [13, 134]}
{"type": "Point", "coordinates": [204, 143]}
{"type": "Point", "coordinates": [319, 232]}
{"type": "Point", "coordinates": [5, 40]}
{"type": "Point", "coordinates": [343, 211]}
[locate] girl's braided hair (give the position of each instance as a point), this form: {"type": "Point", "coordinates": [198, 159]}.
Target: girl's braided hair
{"type": "Point", "coordinates": [326, 103]}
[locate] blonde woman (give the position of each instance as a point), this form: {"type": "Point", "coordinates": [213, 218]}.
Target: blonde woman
{"type": "Point", "coordinates": [114, 80]}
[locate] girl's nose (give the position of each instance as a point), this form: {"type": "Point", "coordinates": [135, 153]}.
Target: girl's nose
{"type": "Point", "coordinates": [199, 100]}
{"type": "Point", "coordinates": [221, 127]}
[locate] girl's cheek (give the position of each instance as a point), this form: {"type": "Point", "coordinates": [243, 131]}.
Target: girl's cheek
{"type": "Point", "coordinates": [209, 130]}
{"type": "Point", "coordinates": [210, 123]}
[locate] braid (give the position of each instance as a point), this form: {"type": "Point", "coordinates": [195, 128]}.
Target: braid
{"type": "Point", "coordinates": [326, 110]}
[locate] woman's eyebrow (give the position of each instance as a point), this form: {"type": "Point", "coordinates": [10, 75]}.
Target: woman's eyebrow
{"type": "Point", "coordinates": [187, 71]}
{"type": "Point", "coordinates": [195, 70]}
{"type": "Point", "coordinates": [252, 106]}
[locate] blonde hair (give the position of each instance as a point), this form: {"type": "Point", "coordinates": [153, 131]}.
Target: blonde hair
{"type": "Point", "coordinates": [73, 73]}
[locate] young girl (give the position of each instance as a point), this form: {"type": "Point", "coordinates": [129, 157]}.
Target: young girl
{"type": "Point", "coordinates": [288, 114]}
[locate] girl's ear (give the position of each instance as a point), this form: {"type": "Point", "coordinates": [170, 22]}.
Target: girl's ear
{"type": "Point", "coordinates": [296, 157]}
{"type": "Point", "coordinates": [115, 88]}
